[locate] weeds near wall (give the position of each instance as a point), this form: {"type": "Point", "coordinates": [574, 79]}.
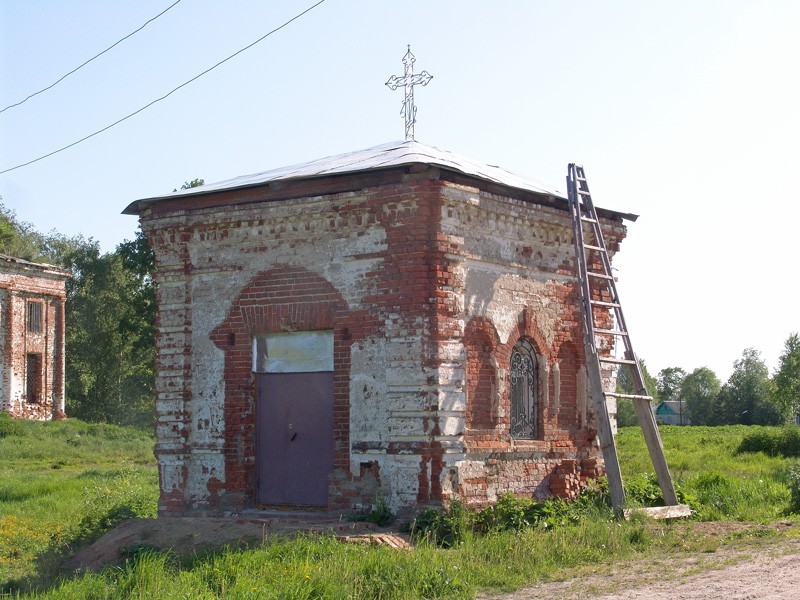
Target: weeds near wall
{"type": "Point", "coordinates": [380, 513]}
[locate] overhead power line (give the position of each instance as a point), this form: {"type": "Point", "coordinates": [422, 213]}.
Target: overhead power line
{"type": "Point", "coordinates": [55, 83]}
{"type": "Point", "coordinates": [172, 91]}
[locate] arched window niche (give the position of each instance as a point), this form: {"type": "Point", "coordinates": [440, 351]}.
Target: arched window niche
{"type": "Point", "coordinates": [524, 392]}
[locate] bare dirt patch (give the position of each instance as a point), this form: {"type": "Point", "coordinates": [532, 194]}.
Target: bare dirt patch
{"type": "Point", "coordinates": [185, 536]}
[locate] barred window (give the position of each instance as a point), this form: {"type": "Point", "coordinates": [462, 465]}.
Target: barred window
{"type": "Point", "coordinates": [33, 384]}
{"type": "Point", "coordinates": [524, 397]}
{"type": "Point", "coordinates": [35, 317]}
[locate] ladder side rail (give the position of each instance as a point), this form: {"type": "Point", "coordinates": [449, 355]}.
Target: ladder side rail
{"type": "Point", "coordinates": [644, 414]}
{"type": "Point", "coordinates": [641, 405]}
{"type": "Point", "coordinates": [616, 489]}
{"type": "Point", "coordinates": [605, 434]}
{"type": "Point", "coordinates": [619, 316]}
{"type": "Point", "coordinates": [580, 257]}
{"type": "Point", "coordinates": [605, 263]}
{"type": "Point", "coordinates": [655, 447]}
{"type": "Point", "coordinates": [612, 288]}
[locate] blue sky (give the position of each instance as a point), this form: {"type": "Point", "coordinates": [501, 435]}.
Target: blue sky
{"type": "Point", "coordinates": [684, 112]}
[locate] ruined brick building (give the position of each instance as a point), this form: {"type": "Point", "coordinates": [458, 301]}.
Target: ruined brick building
{"type": "Point", "coordinates": [32, 300]}
{"type": "Point", "coordinates": [398, 322]}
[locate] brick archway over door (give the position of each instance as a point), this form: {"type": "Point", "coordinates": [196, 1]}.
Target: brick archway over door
{"type": "Point", "coordinates": [278, 300]}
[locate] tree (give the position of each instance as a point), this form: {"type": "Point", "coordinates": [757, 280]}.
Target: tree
{"type": "Point", "coordinates": [787, 379]}
{"type": "Point", "coordinates": [626, 414]}
{"type": "Point", "coordinates": [625, 383]}
{"type": "Point", "coordinates": [110, 350]}
{"type": "Point", "coordinates": [699, 389]}
{"type": "Point", "coordinates": [110, 312]}
{"type": "Point", "coordinates": [669, 383]}
{"type": "Point", "coordinates": [746, 397]}
{"type": "Point", "coordinates": [19, 238]}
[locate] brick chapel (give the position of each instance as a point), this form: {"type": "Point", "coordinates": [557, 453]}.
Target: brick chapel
{"type": "Point", "coordinates": [32, 298]}
{"type": "Point", "coordinates": [399, 323]}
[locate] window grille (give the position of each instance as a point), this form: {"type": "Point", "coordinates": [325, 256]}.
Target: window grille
{"type": "Point", "coordinates": [33, 387]}
{"type": "Point", "coordinates": [35, 317]}
{"type": "Point", "coordinates": [524, 401]}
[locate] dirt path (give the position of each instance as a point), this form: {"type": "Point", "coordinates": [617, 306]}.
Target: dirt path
{"type": "Point", "coordinates": [765, 572]}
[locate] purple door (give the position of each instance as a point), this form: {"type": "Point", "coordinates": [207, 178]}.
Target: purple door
{"type": "Point", "coordinates": [294, 438]}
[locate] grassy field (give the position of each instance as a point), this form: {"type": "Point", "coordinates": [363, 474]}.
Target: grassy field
{"type": "Point", "coordinates": [63, 483]}
{"type": "Point", "coordinates": [720, 482]}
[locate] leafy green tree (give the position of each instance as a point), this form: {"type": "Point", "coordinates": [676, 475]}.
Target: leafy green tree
{"type": "Point", "coordinates": [19, 238]}
{"type": "Point", "coordinates": [669, 383]}
{"type": "Point", "coordinates": [109, 340]}
{"type": "Point", "coordinates": [746, 397]}
{"type": "Point", "coordinates": [787, 379]}
{"type": "Point", "coordinates": [699, 389]}
{"type": "Point", "coordinates": [110, 311]}
{"type": "Point", "coordinates": [625, 383]}
{"type": "Point", "coordinates": [626, 414]}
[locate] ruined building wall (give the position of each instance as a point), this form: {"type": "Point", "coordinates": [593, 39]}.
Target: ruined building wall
{"type": "Point", "coordinates": [513, 278]}
{"type": "Point", "coordinates": [32, 374]}
{"type": "Point", "coordinates": [422, 283]}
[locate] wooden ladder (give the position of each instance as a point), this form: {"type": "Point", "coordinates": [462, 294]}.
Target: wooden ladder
{"type": "Point", "coordinates": [598, 290]}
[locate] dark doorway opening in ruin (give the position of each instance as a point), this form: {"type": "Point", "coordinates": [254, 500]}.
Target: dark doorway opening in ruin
{"type": "Point", "coordinates": [33, 384]}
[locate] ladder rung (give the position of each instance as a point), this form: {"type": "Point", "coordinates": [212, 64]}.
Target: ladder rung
{"type": "Point", "coordinates": [588, 220]}
{"type": "Point", "coordinates": [591, 247]}
{"type": "Point", "coordinates": [617, 361]}
{"type": "Point", "coordinates": [599, 275]}
{"type": "Point", "coordinates": [611, 332]}
{"type": "Point", "coordinates": [607, 304]}
{"type": "Point", "coordinates": [629, 396]}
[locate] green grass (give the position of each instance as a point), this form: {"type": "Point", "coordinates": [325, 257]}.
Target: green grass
{"type": "Point", "coordinates": [321, 567]}
{"type": "Point", "coordinates": [101, 473]}
{"type": "Point", "coordinates": [63, 484]}
{"type": "Point", "coordinates": [706, 465]}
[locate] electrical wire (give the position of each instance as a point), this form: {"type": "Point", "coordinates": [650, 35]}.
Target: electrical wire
{"type": "Point", "coordinates": [52, 85]}
{"type": "Point", "coordinates": [146, 106]}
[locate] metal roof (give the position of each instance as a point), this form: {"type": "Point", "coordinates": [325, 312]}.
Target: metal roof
{"type": "Point", "coordinates": [27, 264]}
{"type": "Point", "coordinates": [392, 154]}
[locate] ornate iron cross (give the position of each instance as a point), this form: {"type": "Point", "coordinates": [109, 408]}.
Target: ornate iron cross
{"type": "Point", "coordinates": [409, 80]}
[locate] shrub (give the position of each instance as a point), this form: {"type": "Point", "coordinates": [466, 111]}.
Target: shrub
{"type": "Point", "coordinates": [10, 427]}
{"type": "Point", "coordinates": [643, 490]}
{"type": "Point", "coordinates": [773, 442]}
{"type": "Point", "coordinates": [445, 528]}
{"type": "Point", "coordinates": [510, 513]}
{"type": "Point", "coordinates": [380, 513]}
{"type": "Point", "coordinates": [793, 479]}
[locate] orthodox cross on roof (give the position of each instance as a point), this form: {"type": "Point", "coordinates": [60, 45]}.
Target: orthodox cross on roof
{"type": "Point", "coordinates": [409, 80]}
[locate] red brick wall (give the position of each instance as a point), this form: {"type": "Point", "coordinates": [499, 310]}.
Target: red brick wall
{"type": "Point", "coordinates": [20, 284]}
{"type": "Point", "coordinates": [280, 299]}
{"type": "Point", "coordinates": [427, 285]}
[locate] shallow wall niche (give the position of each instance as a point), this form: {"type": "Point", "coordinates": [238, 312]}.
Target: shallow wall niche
{"type": "Point", "coordinates": [480, 340]}
{"type": "Point", "coordinates": [279, 301]}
